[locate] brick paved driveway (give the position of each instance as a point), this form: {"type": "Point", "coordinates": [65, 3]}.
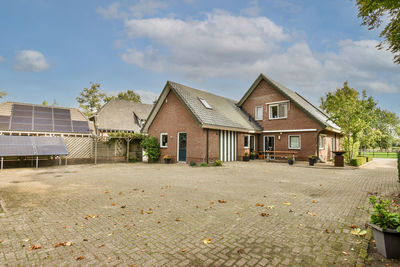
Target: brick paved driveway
{"type": "Point", "coordinates": [152, 215]}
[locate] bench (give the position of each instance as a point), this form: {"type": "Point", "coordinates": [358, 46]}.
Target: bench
{"type": "Point", "coordinates": [268, 155]}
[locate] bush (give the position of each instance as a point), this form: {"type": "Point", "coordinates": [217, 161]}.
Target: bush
{"type": "Point", "coordinates": [132, 159]}
{"type": "Point", "coordinates": [369, 158]}
{"type": "Point", "coordinates": [358, 161]}
{"type": "Point", "coordinates": [152, 148]}
{"type": "Point", "coordinates": [203, 164]}
{"type": "Point", "coordinates": [217, 163]}
{"type": "Point", "coordinates": [383, 215]}
{"type": "Point", "coordinates": [192, 163]}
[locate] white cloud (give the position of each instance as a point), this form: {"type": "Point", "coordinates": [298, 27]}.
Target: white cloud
{"type": "Point", "coordinates": [2, 59]}
{"type": "Point", "coordinates": [147, 96]}
{"type": "Point", "coordinates": [223, 45]}
{"type": "Point", "coordinates": [31, 60]}
{"type": "Point", "coordinates": [140, 9]}
{"type": "Point", "coordinates": [252, 10]}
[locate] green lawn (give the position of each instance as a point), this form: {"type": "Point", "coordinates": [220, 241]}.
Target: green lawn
{"type": "Point", "coordinates": [391, 155]}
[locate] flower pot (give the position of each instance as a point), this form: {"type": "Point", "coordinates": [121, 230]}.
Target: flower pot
{"type": "Point", "coordinates": [252, 157]}
{"type": "Point", "coordinates": [167, 161]}
{"type": "Point", "coordinates": [246, 158]}
{"type": "Point", "coordinates": [311, 161]}
{"type": "Point", "coordinates": [291, 162]}
{"type": "Point", "coordinates": [387, 241]}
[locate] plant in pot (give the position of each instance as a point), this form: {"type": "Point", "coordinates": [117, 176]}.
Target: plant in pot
{"type": "Point", "coordinates": [167, 159]}
{"type": "Point", "coordinates": [246, 156]}
{"type": "Point", "coordinates": [290, 160]}
{"type": "Point", "coordinates": [385, 223]}
{"type": "Point", "coordinates": [312, 160]}
{"type": "Point", "coordinates": [253, 155]}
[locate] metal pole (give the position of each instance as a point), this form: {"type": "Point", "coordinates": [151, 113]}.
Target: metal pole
{"type": "Point", "coordinates": [37, 162]}
{"type": "Point", "coordinates": [127, 149]}
{"type": "Point", "coordinates": [1, 163]}
{"type": "Point", "coordinates": [66, 160]}
{"type": "Point", "coordinates": [59, 160]}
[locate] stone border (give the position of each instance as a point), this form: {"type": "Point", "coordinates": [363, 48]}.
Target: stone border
{"type": "Point", "coordinates": [363, 254]}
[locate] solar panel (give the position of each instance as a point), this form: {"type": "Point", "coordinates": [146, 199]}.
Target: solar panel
{"type": "Point", "coordinates": [20, 126]}
{"type": "Point", "coordinates": [44, 115]}
{"type": "Point", "coordinates": [25, 120]}
{"type": "Point", "coordinates": [4, 119]}
{"type": "Point", "coordinates": [58, 128]}
{"type": "Point", "coordinates": [4, 126]}
{"type": "Point", "coordinates": [22, 107]}
{"type": "Point", "coordinates": [43, 109]}
{"type": "Point", "coordinates": [22, 113]}
{"type": "Point", "coordinates": [31, 146]}
{"type": "Point", "coordinates": [43, 128]}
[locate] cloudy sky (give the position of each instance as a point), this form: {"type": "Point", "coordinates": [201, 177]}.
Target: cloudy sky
{"type": "Point", "coordinates": [52, 49]}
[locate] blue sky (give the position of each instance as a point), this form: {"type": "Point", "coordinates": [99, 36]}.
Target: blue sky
{"type": "Point", "coordinates": [52, 49]}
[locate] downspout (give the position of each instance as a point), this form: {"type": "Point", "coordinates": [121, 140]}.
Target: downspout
{"type": "Point", "coordinates": [318, 144]}
{"type": "Point", "coordinates": [207, 147]}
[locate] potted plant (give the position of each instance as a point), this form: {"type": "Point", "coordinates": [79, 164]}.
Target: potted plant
{"type": "Point", "coordinates": [290, 160]}
{"type": "Point", "coordinates": [253, 155]}
{"type": "Point", "coordinates": [385, 223]}
{"type": "Point", "coordinates": [167, 159]}
{"type": "Point", "coordinates": [246, 156]}
{"type": "Point", "coordinates": [312, 160]}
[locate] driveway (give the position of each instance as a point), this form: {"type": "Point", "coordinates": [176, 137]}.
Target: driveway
{"type": "Point", "coordinates": [241, 214]}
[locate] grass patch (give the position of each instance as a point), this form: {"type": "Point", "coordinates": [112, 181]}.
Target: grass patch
{"type": "Point", "coordinates": [389, 155]}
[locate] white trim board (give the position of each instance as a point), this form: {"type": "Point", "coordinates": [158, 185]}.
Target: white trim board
{"type": "Point", "coordinates": [290, 131]}
{"type": "Point", "coordinates": [277, 102]}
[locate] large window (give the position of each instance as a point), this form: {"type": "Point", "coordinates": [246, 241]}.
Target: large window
{"type": "Point", "coordinates": [294, 141]}
{"type": "Point", "coordinates": [246, 141]}
{"type": "Point", "coordinates": [164, 140]}
{"type": "Point", "coordinates": [321, 142]}
{"type": "Point", "coordinates": [278, 111]}
{"type": "Point", "coordinates": [258, 113]}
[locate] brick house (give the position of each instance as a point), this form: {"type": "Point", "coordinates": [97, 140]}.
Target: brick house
{"type": "Point", "coordinates": [193, 125]}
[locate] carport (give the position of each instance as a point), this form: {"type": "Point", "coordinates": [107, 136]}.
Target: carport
{"type": "Point", "coordinates": [31, 146]}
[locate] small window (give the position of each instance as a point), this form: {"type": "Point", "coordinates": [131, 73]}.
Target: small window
{"type": "Point", "coordinates": [205, 103]}
{"type": "Point", "coordinates": [278, 111]}
{"type": "Point", "coordinates": [246, 141]}
{"type": "Point", "coordinates": [259, 113]}
{"type": "Point", "coordinates": [294, 142]}
{"type": "Point", "coordinates": [321, 142]}
{"type": "Point", "coordinates": [164, 140]}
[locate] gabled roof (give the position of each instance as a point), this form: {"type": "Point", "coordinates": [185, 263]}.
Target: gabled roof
{"type": "Point", "coordinates": [122, 115]}
{"type": "Point", "coordinates": [314, 112]}
{"type": "Point", "coordinates": [224, 113]}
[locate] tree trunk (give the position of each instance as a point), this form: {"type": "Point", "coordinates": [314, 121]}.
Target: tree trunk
{"type": "Point", "coordinates": [349, 147]}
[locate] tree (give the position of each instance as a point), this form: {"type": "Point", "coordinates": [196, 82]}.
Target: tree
{"type": "Point", "coordinates": [386, 123]}
{"type": "Point", "coordinates": [375, 12]}
{"type": "Point", "coordinates": [55, 103]}
{"type": "Point", "coordinates": [351, 113]}
{"type": "Point", "coordinates": [90, 99]}
{"type": "Point", "coordinates": [129, 95]}
{"type": "Point", "coordinates": [45, 103]}
{"type": "Point", "coordinates": [2, 94]}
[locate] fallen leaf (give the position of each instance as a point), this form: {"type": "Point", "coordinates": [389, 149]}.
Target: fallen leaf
{"type": "Point", "coordinates": [109, 258]}
{"type": "Point", "coordinates": [26, 240]}
{"type": "Point", "coordinates": [162, 195]}
{"type": "Point", "coordinates": [143, 250]}
{"type": "Point", "coordinates": [211, 202]}
{"type": "Point", "coordinates": [158, 222]}
{"type": "Point", "coordinates": [85, 239]}
{"type": "Point", "coordinates": [259, 205]}
{"type": "Point", "coordinates": [222, 201]}
{"type": "Point", "coordinates": [110, 234]}
{"type": "Point", "coordinates": [80, 258]}
{"type": "Point", "coordinates": [183, 250]}
{"type": "Point", "coordinates": [149, 211]}
{"type": "Point", "coordinates": [123, 206]}
{"type": "Point", "coordinates": [100, 246]}
{"type": "Point", "coordinates": [270, 207]}
{"type": "Point", "coordinates": [120, 193]}
{"type": "Point", "coordinates": [177, 220]}
{"type": "Point", "coordinates": [113, 204]}
{"type": "Point", "coordinates": [240, 250]}
{"type": "Point", "coordinates": [352, 226]}
{"type": "Point", "coordinates": [207, 241]}
{"type": "Point", "coordinates": [63, 244]}
{"type": "Point", "coordinates": [345, 253]}
{"type": "Point", "coordinates": [358, 232]}
{"type": "Point", "coordinates": [107, 191]}
{"type": "Point", "coordinates": [33, 247]}
{"type": "Point", "coordinates": [142, 211]}
{"type": "Point", "coordinates": [311, 213]}
{"type": "Point", "coordinates": [314, 201]}
{"type": "Point", "coordinates": [327, 231]}
{"type": "Point", "coordinates": [264, 214]}
{"type": "Point", "coordinates": [287, 203]}
{"type": "Point", "coordinates": [87, 217]}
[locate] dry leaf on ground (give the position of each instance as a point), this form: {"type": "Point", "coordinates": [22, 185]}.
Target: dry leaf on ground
{"type": "Point", "coordinates": [314, 201]}
{"type": "Point", "coordinates": [358, 232]}
{"type": "Point", "coordinates": [80, 258]}
{"type": "Point", "coordinates": [207, 241]}
{"type": "Point", "coordinates": [222, 201]}
{"type": "Point", "coordinates": [264, 214]}
{"type": "Point", "coordinates": [90, 216]}
{"type": "Point", "coordinates": [33, 247]}
{"type": "Point", "coordinates": [64, 244]}
{"type": "Point", "coordinates": [287, 203]}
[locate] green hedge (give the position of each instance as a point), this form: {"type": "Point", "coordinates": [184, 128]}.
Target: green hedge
{"type": "Point", "coordinates": [358, 161]}
{"type": "Point", "coordinates": [369, 158]}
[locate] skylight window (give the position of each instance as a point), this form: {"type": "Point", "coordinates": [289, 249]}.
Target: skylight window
{"type": "Point", "coordinates": [205, 103]}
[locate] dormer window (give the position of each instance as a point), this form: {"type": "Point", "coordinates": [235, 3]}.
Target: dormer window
{"type": "Point", "coordinates": [278, 111]}
{"type": "Point", "coordinates": [205, 103]}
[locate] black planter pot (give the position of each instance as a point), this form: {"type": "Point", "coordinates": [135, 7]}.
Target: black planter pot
{"type": "Point", "coordinates": [252, 157]}
{"type": "Point", "coordinates": [387, 241]}
{"type": "Point", "coordinates": [167, 161]}
{"type": "Point", "coordinates": [291, 162]}
{"type": "Point", "coordinates": [311, 161]}
{"type": "Point", "coordinates": [246, 158]}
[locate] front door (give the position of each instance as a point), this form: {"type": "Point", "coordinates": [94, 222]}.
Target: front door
{"type": "Point", "coordinates": [269, 143]}
{"type": "Point", "coordinates": [252, 143]}
{"type": "Point", "coordinates": [182, 147]}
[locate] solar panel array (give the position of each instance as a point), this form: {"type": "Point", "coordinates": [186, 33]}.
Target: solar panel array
{"type": "Point", "coordinates": [42, 119]}
{"type": "Point", "coordinates": [31, 146]}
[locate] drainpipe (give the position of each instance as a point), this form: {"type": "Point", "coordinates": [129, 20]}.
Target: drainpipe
{"type": "Point", "coordinates": [207, 148]}
{"type": "Point", "coordinates": [318, 144]}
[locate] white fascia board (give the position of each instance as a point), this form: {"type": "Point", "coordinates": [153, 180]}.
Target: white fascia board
{"type": "Point", "coordinates": [290, 131]}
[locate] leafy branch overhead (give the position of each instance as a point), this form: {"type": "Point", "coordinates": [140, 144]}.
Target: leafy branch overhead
{"type": "Point", "coordinates": [375, 13]}
{"type": "Point", "coordinates": [129, 95]}
{"type": "Point", "coordinates": [91, 99]}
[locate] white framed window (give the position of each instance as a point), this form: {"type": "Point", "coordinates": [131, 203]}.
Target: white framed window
{"type": "Point", "coordinates": [246, 141]}
{"type": "Point", "coordinates": [164, 140]}
{"type": "Point", "coordinates": [321, 142]}
{"type": "Point", "coordinates": [205, 103]}
{"type": "Point", "coordinates": [294, 142]}
{"type": "Point", "coordinates": [258, 113]}
{"type": "Point", "coordinates": [278, 111]}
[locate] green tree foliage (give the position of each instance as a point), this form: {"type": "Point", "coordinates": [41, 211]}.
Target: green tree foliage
{"type": "Point", "coordinates": [129, 95]}
{"type": "Point", "coordinates": [352, 112]}
{"type": "Point", "coordinates": [385, 124]}
{"type": "Point", "coordinates": [376, 12]}
{"type": "Point", "coordinates": [45, 103]}
{"type": "Point", "coordinates": [151, 147]}
{"type": "Point", "coordinates": [90, 99]}
{"type": "Point", "coordinates": [2, 94]}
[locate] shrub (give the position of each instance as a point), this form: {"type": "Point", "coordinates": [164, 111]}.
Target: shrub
{"type": "Point", "coordinates": [192, 163]}
{"type": "Point", "coordinates": [398, 164]}
{"type": "Point", "coordinates": [358, 161]}
{"type": "Point", "coordinates": [383, 215]}
{"type": "Point", "coordinates": [217, 163]}
{"type": "Point", "coordinates": [369, 158]}
{"type": "Point", "coordinates": [132, 159]}
{"type": "Point", "coordinates": [203, 164]}
{"type": "Point", "coordinates": [152, 148]}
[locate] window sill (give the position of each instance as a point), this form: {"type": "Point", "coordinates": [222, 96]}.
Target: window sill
{"type": "Point", "coordinates": [163, 146]}
{"type": "Point", "coordinates": [277, 118]}
{"type": "Point", "coordinates": [295, 148]}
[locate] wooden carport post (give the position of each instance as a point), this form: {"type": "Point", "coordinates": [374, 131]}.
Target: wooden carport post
{"type": "Point", "coordinates": [37, 162]}
{"type": "Point", "coordinates": [1, 163]}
